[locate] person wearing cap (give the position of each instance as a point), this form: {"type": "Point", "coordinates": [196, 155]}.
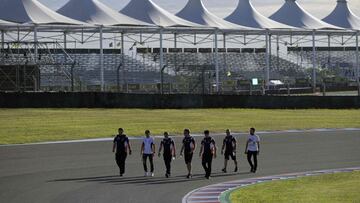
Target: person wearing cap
{"type": "Point", "coordinates": [188, 147]}
{"type": "Point", "coordinates": [168, 145]}
{"type": "Point", "coordinates": [122, 147]}
{"type": "Point", "coordinates": [229, 144]}
{"type": "Point", "coordinates": [207, 153]}
{"type": "Point", "coordinates": [252, 149]}
{"type": "Point", "coordinates": [147, 151]}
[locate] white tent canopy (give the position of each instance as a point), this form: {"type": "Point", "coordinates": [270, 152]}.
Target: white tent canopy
{"type": "Point", "coordinates": [3, 22]}
{"type": "Point", "coordinates": [292, 14]}
{"type": "Point", "coordinates": [196, 12]}
{"type": "Point", "coordinates": [246, 15]}
{"type": "Point", "coordinates": [31, 11]}
{"type": "Point", "coordinates": [342, 16]}
{"type": "Point", "coordinates": [147, 11]}
{"type": "Point", "coordinates": [95, 12]}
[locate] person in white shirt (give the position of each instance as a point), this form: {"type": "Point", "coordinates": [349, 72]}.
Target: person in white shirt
{"type": "Point", "coordinates": [252, 149]}
{"type": "Point", "coordinates": [148, 151]}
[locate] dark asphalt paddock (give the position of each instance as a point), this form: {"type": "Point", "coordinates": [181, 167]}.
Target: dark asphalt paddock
{"type": "Point", "coordinates": [86, 172]}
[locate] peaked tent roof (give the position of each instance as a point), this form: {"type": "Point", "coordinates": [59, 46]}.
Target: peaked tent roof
{"type": "Point", "coordinates": [3, 22]}
{"type": "Point", "coordinates": [342, 16]}
{"type": "Point", "coordinates": [31, 11]}
{"type": "Point", "coordinates": [246, 15]}
{"type": "Point", "coordinates": [148, 11]}
{"type": "Point", "coordinates": [291, 13]}
{"type": "Point", "coordinates": [95, 12]}
{"type": "Point", "coordinates": [196, 12]}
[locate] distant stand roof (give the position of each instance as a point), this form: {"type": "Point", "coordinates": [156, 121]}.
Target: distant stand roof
{"type": "Point", "coordinates": [95, 12]}
{"type": "Point", "coordinates": [342, 16]}
{"type": "Point", "coordinates": [196, 12]}
{"type": "Point", "coordinates": [31, 11]}
{"type": "Point", "coordinates": [147, 11]}
{"type": "Point", "coordinates": [246, 15]}
{"type": "Point", "coordinates": [291, 13]}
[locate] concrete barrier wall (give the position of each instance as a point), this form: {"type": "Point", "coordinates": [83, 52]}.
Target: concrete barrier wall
{"type": "Point", "coordinates": [115, 100]}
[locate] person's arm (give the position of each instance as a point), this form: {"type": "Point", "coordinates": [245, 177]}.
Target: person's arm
{"type": "Point", "coordinates": [215, 149]}
{"type": "Point", "coordinates": [194, 146]}
{"type": "Point", "coordinates": [153, 149]}
{"type": "Point", "coordinates": [258, 147]}
{"type": "Point", "coordinates": [223, 147]}
{"type": "Point", "coordinates": [201, 150]}
{"type": "Point", "coordinates": [174, 149]}
{"type": "Point", "coordinates": [129, 147]}
{"type": "Point", "coordinates": [160, 148]}
{"type": "Point", "coordinates": [142, 149]}
{"type": "Point", "coordinates": [182, 149]}
{"type": "Point", "coordinates": [235, 145]}
{"type": "Point", "coordinates": [114, 146]}
{"type": "Point", "coordinates": [247, 143]}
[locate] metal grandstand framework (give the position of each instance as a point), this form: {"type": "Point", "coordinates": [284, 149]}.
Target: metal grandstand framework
{"type": "Point", "coordinates": [162, 30]}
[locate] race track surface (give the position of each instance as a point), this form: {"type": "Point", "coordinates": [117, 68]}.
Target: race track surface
{"type": "Point", "coordinates": [86, 172]}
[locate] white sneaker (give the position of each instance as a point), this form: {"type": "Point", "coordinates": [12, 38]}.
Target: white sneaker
{"type": "Point", "coordinates": [152, 174]}
{"type": "Point", "coordinates": [146, 174]}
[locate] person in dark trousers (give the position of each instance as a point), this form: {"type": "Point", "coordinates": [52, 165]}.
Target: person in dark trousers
{"type": "Point", "coordinates": [147, 152]}
{"type": "Point", "coordinates": [252, 149]}
{"type": "Point", "coordinates": [188, 147]}
{"type": "Point", "coordinates": [168, 145]}
{"type": "Point", "coordinates": [229, 144]}
{"type": "Point", "coordinates": [207, 153]}
{"type": "Point", "coordinates": [122, 147]}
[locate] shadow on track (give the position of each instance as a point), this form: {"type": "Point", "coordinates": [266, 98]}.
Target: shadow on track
{"type": "Point", "coordinates": [145, 180]}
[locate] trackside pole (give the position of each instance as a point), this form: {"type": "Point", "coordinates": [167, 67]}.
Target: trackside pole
{"type": "Point", "coordinates": [267, 61]}
{"type": "Point", "coordinates": [161, 58]}
{"type": "Point", "coordinates": [217, 62]}
{"type": "Point", "coordinates": [101, 60]}
{"type": "Point", "coordinates": [314, 62]}
{"type": "Point", "coordinates": [357, 62]}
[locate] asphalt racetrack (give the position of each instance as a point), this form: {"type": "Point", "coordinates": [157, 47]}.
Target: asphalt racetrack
{"type": "Point", "coordinates": [86, 172]}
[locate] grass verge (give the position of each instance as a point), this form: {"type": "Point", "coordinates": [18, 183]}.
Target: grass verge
{"type": "Point", "coordinates": [340, 187]}
{"type": "Point", "coordinates": [37, 125]}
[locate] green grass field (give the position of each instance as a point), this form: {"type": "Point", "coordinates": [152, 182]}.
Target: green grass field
{"type": "Point", "coordinates": [37, 125]}
{"type": "Point", "coordinates": [342, 187]}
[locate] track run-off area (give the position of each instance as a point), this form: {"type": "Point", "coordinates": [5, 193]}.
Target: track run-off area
{"type": "Point", "coordinates": [86, 171]}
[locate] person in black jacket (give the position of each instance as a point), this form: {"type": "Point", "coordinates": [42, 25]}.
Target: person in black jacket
{"type": "Point", "coordinates": [207, 153]}
{"type": "Point", "coordinates": [169, 152]}
{"type": "Point", "coordinates": [122, 147]}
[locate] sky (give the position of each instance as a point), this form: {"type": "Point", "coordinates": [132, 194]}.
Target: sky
{"type": "Point", "coordinates": [222, 8]}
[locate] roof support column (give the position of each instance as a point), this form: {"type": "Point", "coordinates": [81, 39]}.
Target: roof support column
{"type": "Point", "coordinates": [175, 40]}
{"type": "Point", "coordinates": [2, 43]}
{"type": "Point", "coordinates": [217, 62]}
{"type": "Point", "coordinates": [224, 41]}
{"type": "Point", "coordinates": [329, 52]}
{"type": "Point", "coordinates": [314, 62]}
{"type": "Point", "coordinates": [123, 61]}
{"type": "Point", "coordinates": [357, 62]}
{"type": "Point", "coordinates": [277, 51]}
{"type": "Point", "coordinates": [267, 60]}
{"type": "Point", "coordinates": [161, 61]}
{"type": "Point", "coordinates": [35, 45]}
{"type": "Point", "coordinates": [101, 60]}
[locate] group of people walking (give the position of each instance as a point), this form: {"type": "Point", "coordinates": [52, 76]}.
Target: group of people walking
{"type": "Point", "coordinates": [208, 151]}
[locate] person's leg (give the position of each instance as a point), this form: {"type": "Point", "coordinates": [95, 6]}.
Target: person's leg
{"type": "Point", "coordinates": [204, 165]}
{"type": "Point", "coordinates": [167, 161]}
{"type": "Point", "coordinates": [144, 163]}
{"type": "Point", "coordinates": [255, 161]}
{"type": "Point", "coordinates": [122, 163]}
{"type": "Point", "coordinates": [233, 157]}
{"type": "Point", "coordinates": [151, 163]}
{"type": "Point", "coordinates": [249, 154]}
{"type": "Point", "coordinates": [117, 159]}
{"type": "Point", "coordinates": [209, 165]}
